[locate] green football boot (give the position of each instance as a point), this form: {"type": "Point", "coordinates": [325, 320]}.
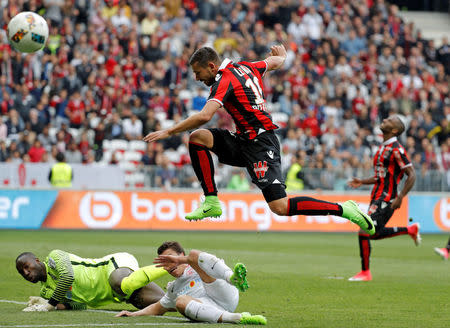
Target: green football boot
{"type": "Point", "coordinates": [210, 208]}
{"type": "Point", "coordinates": [239, 277]}
{"type": "Point", "coordinates": [249, 319]}
{"type": "Point", "coordinates": [351, 211]}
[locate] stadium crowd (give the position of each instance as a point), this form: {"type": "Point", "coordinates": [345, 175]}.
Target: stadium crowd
{"type": "Point", "coordinates": [118, 69]}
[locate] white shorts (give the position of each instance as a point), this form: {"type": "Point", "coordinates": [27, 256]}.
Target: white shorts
{"type": "Point", "coordinates": [221, 294]}
{"type": "Point", "coordinates": [123, 260]}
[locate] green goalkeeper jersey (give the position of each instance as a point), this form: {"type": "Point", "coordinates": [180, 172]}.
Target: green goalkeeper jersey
{"type": "Point", "coordinates": [77, 282]}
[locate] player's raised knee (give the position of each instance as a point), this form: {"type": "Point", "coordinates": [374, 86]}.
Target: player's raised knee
{"type": "Point", "coordinates": [181, 302]}
{"type": "Point", "coordinates": [202, 137]}
{"type": "Point", "coordinates": [116, 277]}
{"type": "Point", "coordinates": [279, 207]}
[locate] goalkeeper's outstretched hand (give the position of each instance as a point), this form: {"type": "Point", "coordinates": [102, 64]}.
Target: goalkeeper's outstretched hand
{"type": "Point", "coordinates": [40, 308]}
{"type": "Point", "coordinates": [36, 300]}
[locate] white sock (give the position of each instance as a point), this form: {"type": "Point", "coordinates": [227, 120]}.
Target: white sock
{"type": "Point", "coordinates": [214, 267]}
{"type": "Point", "coordinates": [202, 312]}
{"type": "Point", "coordinates": [231, 317]}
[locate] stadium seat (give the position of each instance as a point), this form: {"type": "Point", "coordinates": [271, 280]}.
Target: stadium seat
{"type": "Point", "coordinates": [75, 134]}
{"type": "Point", "coordinates": [137, 145]}
{"type": "Point", "coordinates": [106, 145]}
{"type": "Point", "coordinates": [161, 116]}
{"type": "Point", "coordinates": [127, 167]}
{"type": "Point", "coordinates": [280, 118]}
{"type": "Point", "coordinates": [132, 156]}
{"type": "Point", "coordinates": [166, 124]}
{"type": "Point", "coordinates": [119, 145]}
{"type": "Point", "coordinates": [135, 180]}
{"type": "Point", "coordinates": [52, 132]}
{"type": "Point", "coordinates": [173, 156]}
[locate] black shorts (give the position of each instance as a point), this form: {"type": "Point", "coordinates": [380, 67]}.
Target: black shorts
{"type": "Point", "coordinates": [380, 212]}
{"type": "Point", "coordinates": [260, 156]}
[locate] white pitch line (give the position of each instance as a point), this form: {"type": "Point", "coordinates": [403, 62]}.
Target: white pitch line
{"type": "Point", "coordinates": [15, 302]}
{"type": "Point", "coordinates": [91, 310]}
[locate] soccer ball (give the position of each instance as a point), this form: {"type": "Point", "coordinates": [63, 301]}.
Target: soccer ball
{"type": "Point", "coordinates": [27, 32]}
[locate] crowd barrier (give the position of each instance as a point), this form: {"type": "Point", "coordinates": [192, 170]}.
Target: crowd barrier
{"type": "Point", "coordinates": [128, 210]}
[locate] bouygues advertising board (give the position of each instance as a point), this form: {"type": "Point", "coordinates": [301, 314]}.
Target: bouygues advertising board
{"type": "Point", "coordinates": [431, 211]}
{"type": "Point", "coordinates": [166, 211]}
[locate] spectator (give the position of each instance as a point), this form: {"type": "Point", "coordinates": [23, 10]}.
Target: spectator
{"type": "Point", "coordinates": [114, 129]}
{"type": "Point", "coordinates": [132, 128]}
{"type": "Point", "coordinates": [4, 153]}
{"type": "Point", "coordinates": [165, 174]}
{"type": "Point", "coordinates": [36, 152]}
{"type": "Point", "coordinates": [73, 155]}
{"type": "Point", "coordinates": [239, 182]}
{"type": "Point", "coordinates": [75, 110]}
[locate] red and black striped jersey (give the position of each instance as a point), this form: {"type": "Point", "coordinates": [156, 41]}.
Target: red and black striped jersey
{"type": "Point", "coordinates": [389, 162]}
{"type": "Point", "coordinates": [238, 88]}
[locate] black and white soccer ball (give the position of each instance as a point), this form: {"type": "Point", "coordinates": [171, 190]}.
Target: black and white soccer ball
{"type": "Point", "coordinates": [27, 32]}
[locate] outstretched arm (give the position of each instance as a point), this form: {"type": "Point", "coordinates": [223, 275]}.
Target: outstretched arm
{"type": "Point", "coordinates": [276, 58]}
{"type": "Point", "coordinates": [153, 309]}
{"type": "Point", "coordinates": [192, 122]}
{"type": "Point", "coordinates": [357, 182]}
{"type": "Point", "coordinates": [397, 202]}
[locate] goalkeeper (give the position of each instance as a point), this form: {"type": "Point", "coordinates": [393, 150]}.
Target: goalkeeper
{"type": "Point", "coordinates": [70, 282]}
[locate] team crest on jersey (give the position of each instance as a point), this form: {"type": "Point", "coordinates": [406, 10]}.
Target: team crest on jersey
{"type": "Point", "coordinates": [260, 169]}
{"type": "Point", "coordinates": [51, 263]}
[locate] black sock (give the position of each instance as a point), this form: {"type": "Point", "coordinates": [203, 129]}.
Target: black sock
{"type": "Point", "coordinates": [364, 250]}
{"type": "Point", "coordinates": [448, 245]}
{"type": "Point", "coordinates": [310, 206]}
{"type": "Point", "coordinates": [389, 233]}
{"type": "Point", "coordinates": [203, 167]}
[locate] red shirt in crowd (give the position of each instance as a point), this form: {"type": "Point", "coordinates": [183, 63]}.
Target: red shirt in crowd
{"type": "Point", "coordinates": [36, 154]}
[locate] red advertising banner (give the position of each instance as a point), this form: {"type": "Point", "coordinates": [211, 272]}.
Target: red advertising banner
{"type": "Point", "coordinates": [166, 210]}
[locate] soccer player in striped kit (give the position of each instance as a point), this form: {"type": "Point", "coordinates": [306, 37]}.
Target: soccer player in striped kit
{"type": "Point", "coordinates": [390, 164]}
{"type": "Point", "coordinates": [237, 87]}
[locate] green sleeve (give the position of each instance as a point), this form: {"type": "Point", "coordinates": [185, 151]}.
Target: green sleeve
{"type": "Point", "coordinates": [72, 305]}
{"type": "Point", "coordinates": [65, 276]}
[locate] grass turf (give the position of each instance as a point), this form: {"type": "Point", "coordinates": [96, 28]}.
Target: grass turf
{"type": "Point", "coordinates": [296, 279]}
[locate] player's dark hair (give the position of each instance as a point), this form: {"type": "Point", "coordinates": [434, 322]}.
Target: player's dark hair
{"type": "Point", "coordinates": [24, 254]}
{"type": "Point", "coordinates": [203, 56]}
{"type": "Point", "coordinates": [171, 245]}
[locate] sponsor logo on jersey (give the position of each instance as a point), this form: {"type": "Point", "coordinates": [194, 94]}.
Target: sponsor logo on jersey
{"type": "Point", "coordinates": [260, 169]}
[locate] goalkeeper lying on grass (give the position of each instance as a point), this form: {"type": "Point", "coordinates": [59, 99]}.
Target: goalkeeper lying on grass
{"type": "Point", "coordinates": [69, 282]}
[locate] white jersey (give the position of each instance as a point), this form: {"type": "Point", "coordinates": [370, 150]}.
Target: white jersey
{"type": "Point", "coordinates": [189, 283]}
{"type": "Point", "coordinates": [219, 293]}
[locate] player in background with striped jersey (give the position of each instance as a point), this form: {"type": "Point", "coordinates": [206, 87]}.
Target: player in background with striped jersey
{"type": "Point", "coordinates": [237, 87]}
{"type": "Point", "coordinates": [70, 282]}
{"type": "Point", "coordinates": [443, 252]}
{"type": "Point", "coordinates": [390, 164]}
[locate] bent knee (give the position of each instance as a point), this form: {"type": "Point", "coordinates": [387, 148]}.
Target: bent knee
{"type": "Point", "coordinates": [203, 137]}
{"type": "Point", "coordinates": [181, 302]}
{"type": "Point", "coordinates": [279, 207]}
{"type": "Point", "coordinates": [116, 277]}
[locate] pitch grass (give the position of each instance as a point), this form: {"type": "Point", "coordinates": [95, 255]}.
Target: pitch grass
{"type": "Point", "coordinates": [296, 279]}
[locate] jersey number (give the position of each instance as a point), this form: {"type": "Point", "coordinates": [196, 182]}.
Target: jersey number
{"type": "Point", "coordinates": [254, 85]}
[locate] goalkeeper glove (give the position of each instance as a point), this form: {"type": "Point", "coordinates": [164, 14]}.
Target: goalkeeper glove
{"type": "Point", "coordinates": [36, 300]}
{"type": "Point", "coordinates": [40, 308]}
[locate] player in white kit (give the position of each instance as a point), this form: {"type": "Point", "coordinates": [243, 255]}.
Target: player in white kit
{"type": "Point", "coordinates": [205, 290]}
